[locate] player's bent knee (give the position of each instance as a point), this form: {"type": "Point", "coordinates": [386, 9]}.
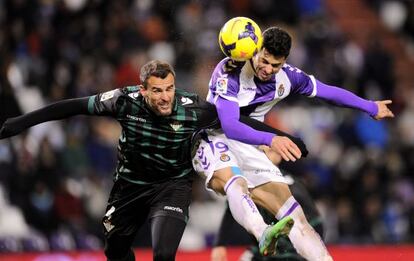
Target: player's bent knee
{"type": "Point", "coordinates": [217, 185]}
{"type": "Point", "coordinates": [222, 177]}
{"type": "Point", "coordinates": [238, 183]}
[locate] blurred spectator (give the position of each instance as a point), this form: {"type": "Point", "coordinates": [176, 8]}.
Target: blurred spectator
{"type": "Point", "coordinates": [56, 175]}
{"type": "Point", "coordinates": [377, 76]}
{"type": "Point", "coordinates": [12, 222]}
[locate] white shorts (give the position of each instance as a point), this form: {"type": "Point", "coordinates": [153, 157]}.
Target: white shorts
{"type": "Point", "coordinates": [246, 160]}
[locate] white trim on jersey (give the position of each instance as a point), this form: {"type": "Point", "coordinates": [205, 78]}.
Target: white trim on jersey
{"type": "Point", "coordinates": [314, 91]}
{"type": "Point", "coordinates": [209, 94]}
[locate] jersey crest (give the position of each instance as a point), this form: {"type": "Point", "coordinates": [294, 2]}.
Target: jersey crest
{"type": "Point", "coordinates": [280, 90]}
{"type": "Point", "coordinates": [107, 95]}
{"type": "Point", "coordinates": [176, 125]}
{"type": "Point", "coordinates": [134, 95]}
{"type": "Point", "coordinates": [186, 101]}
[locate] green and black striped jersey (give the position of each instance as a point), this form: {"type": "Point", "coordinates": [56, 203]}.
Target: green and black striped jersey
{"type": "Point", "coordinates": [153, 148]}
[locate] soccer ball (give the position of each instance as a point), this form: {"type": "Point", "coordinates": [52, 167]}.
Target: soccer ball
{"type": "Point", "coordinates": [240, 38]}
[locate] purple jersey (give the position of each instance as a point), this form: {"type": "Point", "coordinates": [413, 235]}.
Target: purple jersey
{"type": "Point", "coordinates": [239, 85]}
{"type": "Point", "coordinates": [233, 85]}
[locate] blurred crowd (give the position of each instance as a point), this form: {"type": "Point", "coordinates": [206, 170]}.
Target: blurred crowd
{"type": "Point", "coordinates": [54, 178]}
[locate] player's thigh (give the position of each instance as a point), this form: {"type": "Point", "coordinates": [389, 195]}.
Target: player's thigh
{"type": "Point", "coordinates": [215, 162]}
{"type": "Point", "coordinates": [121, 220]}
{"type": "Point", "coordinates": [272, 155]}
{"type": "Point", "coordinates": [121, 214]}
{"type": "Point", "coordinates": [255, 165]}
{"type": "Point", "coordinates": [172, 199]}
{"type": "Point", "coordinates": [271, 195]}
{"type": "Point", "coordinates": [222, 177]}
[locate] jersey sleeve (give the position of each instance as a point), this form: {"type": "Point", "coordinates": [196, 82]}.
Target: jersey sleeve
{"type": "Point", "coordinates": [207, 116]}
{"type": "Point", "coordinates": [301, 83]}
{"type": "Point", "coordinates": [55, 111]}
{"type": "Point", "coordinates": [344, 98]}
{"type": "Point", "coordinates": [105, 104]}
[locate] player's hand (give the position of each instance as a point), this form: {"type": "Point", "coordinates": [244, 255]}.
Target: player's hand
{"type": "Point", "coordinates": [232, 65]}
{"type": "Point", "coordinates": [286, 148]}
{"type": "Point", "coordinates": [219, 253]}
{"type": "Point", "coordinates": [383, 110]}
{"type": "Point", "coordinates": [274, 157]}
{"type": "Point", "coordinates": [6, 130]}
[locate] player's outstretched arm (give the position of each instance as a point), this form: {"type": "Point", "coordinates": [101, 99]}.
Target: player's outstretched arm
{"type": "Point", "coordinates": [55, 111]}
{"type": "Point", "coordinates": [341, 97]}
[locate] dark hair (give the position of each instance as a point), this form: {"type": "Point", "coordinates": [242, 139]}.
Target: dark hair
{"type": "Point", "coordinates": [277, 41]}
{"type": "Point", "coordinates": [155, 68]}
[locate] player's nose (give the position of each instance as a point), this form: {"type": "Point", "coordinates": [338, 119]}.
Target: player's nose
{"type": "Point", "coordinates": [165, 96]}
{"type": "Point", "coordinates": [269, 69]}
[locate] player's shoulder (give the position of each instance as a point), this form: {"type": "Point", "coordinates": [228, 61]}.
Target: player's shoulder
{"type": "Point", "coordinates": [130, 91]}
{"type": "Point", "coordinates": [110, 95]}
{"type": "Point", "coordinates": [291, 69]}
{"type": "Point", "coordinates": [186, 98]}
{"type": "Point", "coordinates": [184, 93]}
{"type": "Point", "coordinates": [120, 95]}
{"type": "Point", "coordinates": [296, 76]}
{"type": "Point", "coordinates": [227, 72]}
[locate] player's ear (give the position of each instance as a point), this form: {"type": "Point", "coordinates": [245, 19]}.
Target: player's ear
{"type": "Point", "coordinates": [142, 89]}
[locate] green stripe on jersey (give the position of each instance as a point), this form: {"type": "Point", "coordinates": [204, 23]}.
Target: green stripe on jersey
{"type": "Point", "coordinates": [91, 101]}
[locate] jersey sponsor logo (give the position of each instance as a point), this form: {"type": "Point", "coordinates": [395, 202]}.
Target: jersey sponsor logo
{"type": "Point", "coordinates": [176, 125]}
{"type": "Point", "coordinates": [107, 95]}
{"type": "Point", "coordinates": [224, 157]}
{"type": "Point", "coordinates": [258, 171]}
{"type": "Point", "coordinates": [107, 219]}
{"type": "Point", "coordinates": [250, 203]}
{"type": "Point", "coordinates": [136, 118]}
{"type": "Point", "coordinates": [108, 225]}
{"type": "Point", "coordinates": [176, 209]}
{"type": "Point", "coordinates": [110, 211]}
{"type": "Point", "coordinates": [249, 88]}
{"type": "Point", "coordinates": [134, 95]}
{"type": "Point", "coordinates": [280, 89]}
{"type": "Point", "coordinates": [221, 85]}
{"type": "Point", "coordinates": [186, 101]}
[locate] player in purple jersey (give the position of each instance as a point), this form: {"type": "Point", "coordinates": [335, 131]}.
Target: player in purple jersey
{"type": "Point", "coordinates": [252, 88]}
